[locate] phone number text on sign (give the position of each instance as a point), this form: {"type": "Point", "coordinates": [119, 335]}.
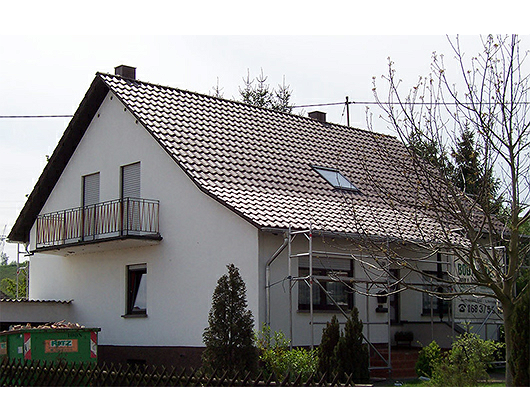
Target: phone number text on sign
{"type": "Point", "coordinates": [475, 308]}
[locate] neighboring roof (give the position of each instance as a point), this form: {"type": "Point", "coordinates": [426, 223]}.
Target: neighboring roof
{"type": "Point", "coordinates": [257, 162]}
{"type": "Point", "coordinates": [31, 301]}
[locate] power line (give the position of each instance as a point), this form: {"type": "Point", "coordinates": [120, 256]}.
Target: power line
{"type": "Point", "coordinates": [304, 106]}
{"type": "Point", "coordinates": [363, 103]}
{"type": "Point", "coordinates": [402, 103]}
{"type": "Point", "coordinates": [330, 104]}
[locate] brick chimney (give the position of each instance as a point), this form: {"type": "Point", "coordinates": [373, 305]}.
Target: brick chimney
{"type": "Point", "coordinates": [127, 72]}
{"type": "Point", "coordinates": [318, 115]}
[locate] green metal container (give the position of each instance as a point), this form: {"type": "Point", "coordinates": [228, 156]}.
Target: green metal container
{"type": "Point", "coordinates": [50, 344]}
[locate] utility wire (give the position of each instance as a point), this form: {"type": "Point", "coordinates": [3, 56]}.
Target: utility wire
{"type": "Point", "coordinates": [403, 103]}
{"type": "Point", "coordinates": [304, 106]}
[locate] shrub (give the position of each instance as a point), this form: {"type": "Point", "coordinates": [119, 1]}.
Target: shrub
{"type": "Point", "coordinates": [351, 354]}
{"type": "Point", "coordinates": [344, 354]}
{"type": "Point", "coordinates": [326, 351]}
{"type": "Point", "coordinates": [275, 356]}
{"type": "Point", "coordinates": [466, 363]}
{"type": "Point", "coordinates": [427, 358]}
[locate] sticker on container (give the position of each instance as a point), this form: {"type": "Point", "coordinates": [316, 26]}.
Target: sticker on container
{"type": "Point", "coordinates": [60, 346]}
{"type": "Point", "coordinates": [27, 346]}
{"type": "Point", "coordinates": [3, 348]}
{"type": "Point", "coordinates": [93, 345]}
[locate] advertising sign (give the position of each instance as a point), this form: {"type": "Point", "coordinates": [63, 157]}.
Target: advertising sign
{"type": "Point", "coordinates": [470, 307]}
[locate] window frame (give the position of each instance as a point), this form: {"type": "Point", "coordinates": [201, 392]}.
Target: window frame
{"type": "Point", "coordinates": [323, 171]}
{"type": "Point", "coordinates": [429, 278]}
{"type": "Point", "coordinates": [131, 295]}
{"type": "Point", "coordinates": [85, 180]}
{"type": "Point", "coordinates": [322, 276]}
{"type": "Point", "coordinates": [90, 184]}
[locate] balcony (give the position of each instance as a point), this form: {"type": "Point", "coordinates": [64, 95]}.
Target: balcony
{"type": "Point", "coordinates": [131, 221]}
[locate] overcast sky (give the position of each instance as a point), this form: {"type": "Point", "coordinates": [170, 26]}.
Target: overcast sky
{"type": "Point", "coordinates": [50, 57]}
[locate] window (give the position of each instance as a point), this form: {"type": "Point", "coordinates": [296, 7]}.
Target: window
{"type": "Point", "coordinates": [394, 298]}
{"type": "Point", "coordinates": [130, 193]}
{"type": "Point", "coordinates": [130, 181]}
{"type": "Point", "coordinates": [439, 306]}
{"type": "Point", "coordinates": [91, 189]}
{"type": "Point", "coordinates": [136, 290]}
{"type": "Point", "coordinates": [325, 271]}
{"type": "Point", "coordinates": [335, 178]}
{"type": "Point", "coordinates": [90, 200]}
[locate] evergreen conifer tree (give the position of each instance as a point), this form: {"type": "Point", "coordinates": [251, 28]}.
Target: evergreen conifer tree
{"type": "Point", "coordinates": [229, 337]}
{"type": "Point", "coordinates": [344, 353]}
{"type": "Point", "coordinates": [350, 352]}
{"type": "Point", "coordinates": [472, 174]}
{"type": "Point", "coordinates": [326, 350]}
{"type": "Point", "coordinates": [520, 362]}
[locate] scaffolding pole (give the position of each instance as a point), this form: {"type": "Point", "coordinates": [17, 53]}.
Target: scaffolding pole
{"type": "Point", "coordinates": [310, 280]}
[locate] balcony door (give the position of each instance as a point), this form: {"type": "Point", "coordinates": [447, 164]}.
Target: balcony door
{"type": "Point", "coordinates": [91, 189]}
{"type": "Point", "coordinates": [130, 195]}
{"type": "Point", "coordinates": [89, 209]}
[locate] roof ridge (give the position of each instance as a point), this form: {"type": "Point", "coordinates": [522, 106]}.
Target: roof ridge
{"type": "Point", "coordinates": [233, 101]}
{"type": "Point", "coordinates": [254, 161]}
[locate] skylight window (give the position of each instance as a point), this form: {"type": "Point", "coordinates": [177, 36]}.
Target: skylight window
{"type": "Point", "coordinates": [335, 178]}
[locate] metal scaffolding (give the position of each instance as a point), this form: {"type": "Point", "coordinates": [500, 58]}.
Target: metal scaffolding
{"type": "Point", "coordinates": [310, 280]}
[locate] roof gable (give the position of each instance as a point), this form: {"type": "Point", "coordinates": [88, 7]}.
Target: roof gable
{"type": "Point", "coordinates": [257, 162]}
{"type": "Point", "coordinates": [58, 160]}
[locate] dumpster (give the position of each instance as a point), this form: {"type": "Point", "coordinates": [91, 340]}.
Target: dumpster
{"type": "Point", "coordinates": [60, 341]}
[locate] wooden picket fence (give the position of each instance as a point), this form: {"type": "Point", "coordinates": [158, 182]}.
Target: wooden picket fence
{"type": "Point", "coordinates": [15, 373]}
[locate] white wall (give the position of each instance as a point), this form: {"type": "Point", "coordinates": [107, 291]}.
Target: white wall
{"type": "Point", "coordinates": [301, 319]}
{"type": "Point", "coordinates": [375, 323]}
{"type": "Point", "coordinates": [200, 237]}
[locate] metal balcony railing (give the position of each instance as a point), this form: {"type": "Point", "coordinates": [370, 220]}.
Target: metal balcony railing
{"type": "Point", "coordinates": [125, 217]}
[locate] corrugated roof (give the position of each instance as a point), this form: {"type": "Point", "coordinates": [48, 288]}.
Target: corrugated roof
{"type": "Point", "coordinates": [255, 161]}
{"type": "Point", "coordinates": [30, 301]}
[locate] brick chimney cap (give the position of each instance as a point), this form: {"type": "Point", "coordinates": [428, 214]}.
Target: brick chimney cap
{"type": "Point", "coordinates": [318, 115]}
{"type": "Point", "coordinates": [125, 71]}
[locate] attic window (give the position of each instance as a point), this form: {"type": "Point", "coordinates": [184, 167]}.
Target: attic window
{"type": "Point", "coordinates": [335, 178]}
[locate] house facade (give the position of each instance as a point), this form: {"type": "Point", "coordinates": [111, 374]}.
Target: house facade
{"type": "Point", "coordinates": [153, 190]}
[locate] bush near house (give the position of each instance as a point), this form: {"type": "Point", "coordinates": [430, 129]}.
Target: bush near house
{"type": "Point", "coordinates": [465, 364]}
{"type": "Point", "coordinates": [343, 353]}
{"type": "Point", "coordinates": [275, 356]}
{"type": "Point", "coordinates": [231, 344]}
{"type": "Point", "coordinates": [428, 357]}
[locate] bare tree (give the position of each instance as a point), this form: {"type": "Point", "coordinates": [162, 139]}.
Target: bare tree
{"type": "Point", "coordinates": [489, 95]}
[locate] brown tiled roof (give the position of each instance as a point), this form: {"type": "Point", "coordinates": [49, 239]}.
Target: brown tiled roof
{"type": "Point", "coordinates": [258, 162]}
{"type": "Point", "coordinates": [255, 161]}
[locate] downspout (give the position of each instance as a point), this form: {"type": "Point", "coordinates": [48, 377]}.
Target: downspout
{"type": "Point", "coordinates": [268, 278]}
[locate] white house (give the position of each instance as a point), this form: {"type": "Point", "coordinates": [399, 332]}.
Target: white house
{"type": "Point", "coordinates": [153, 190]}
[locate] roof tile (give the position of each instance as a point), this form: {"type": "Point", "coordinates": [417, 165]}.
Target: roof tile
{"type": "Point", "coordinates": [258, 161]}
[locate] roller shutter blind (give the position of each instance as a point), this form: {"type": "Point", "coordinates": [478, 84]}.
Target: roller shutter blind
{"type": "Point", "coordinates": [130, 189]}
{"type": "Point", "coordinates": [90, 200]}
{"type": "Point", "coordinates": [91, 189]}
{"type": "Point", "coordinates": [130, 181]}
{"type": "Point", "coordinates": [328, 264]}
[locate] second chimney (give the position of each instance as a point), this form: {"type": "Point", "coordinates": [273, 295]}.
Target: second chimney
{"type": "Point", "coordinates": [125, 71]}
{"type": "Point", "coordinates": [318, 115]}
